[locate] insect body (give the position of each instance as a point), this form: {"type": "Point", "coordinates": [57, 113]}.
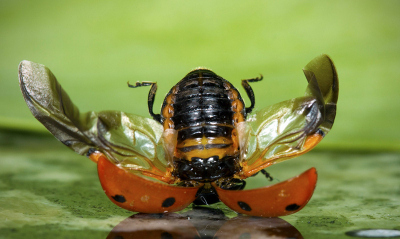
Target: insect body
{"type": "Point", "coordinates": [205, 120]}
{"type": "Point", "coordinates": [202, 142]}
{"type": "Point", "coordinates": [204, 109]}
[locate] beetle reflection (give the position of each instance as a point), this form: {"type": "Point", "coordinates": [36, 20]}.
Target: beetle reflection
{"type": "Point", "coordinates": [202, 222]}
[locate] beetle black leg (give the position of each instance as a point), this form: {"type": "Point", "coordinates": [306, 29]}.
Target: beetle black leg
{"type": "Point", "coordinates": [267, 175]}
{"type": "Point", "coordinates": [240, 184]}
{"type": "Point", "coordinates": [150, 99]}
{"type": "Point", "coordinates": [250, 93]}
{"type": "Point", "coordinates": [234, 184]}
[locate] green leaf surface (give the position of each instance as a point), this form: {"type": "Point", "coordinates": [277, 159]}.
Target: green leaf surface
{"type": "Point", "coordinates": [48, 191]}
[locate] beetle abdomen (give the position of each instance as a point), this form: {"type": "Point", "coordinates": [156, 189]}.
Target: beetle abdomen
{"type": "Point", "coordinates": [204, 109]}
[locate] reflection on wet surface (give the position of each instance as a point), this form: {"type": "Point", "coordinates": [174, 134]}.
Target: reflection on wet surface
{"type": "Point", "coordinates": [202, 222]}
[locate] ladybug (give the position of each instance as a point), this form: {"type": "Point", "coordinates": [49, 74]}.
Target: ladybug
{"type": "Point", "coordinates": [200, 147]}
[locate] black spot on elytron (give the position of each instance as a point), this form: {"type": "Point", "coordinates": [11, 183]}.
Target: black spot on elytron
{"type": "Point", "coordinates": [118, 237]}
{"type": "Point", "coordinates": [168, 202]}
{"type": "Point", "coordinates": [119, 198]}
{"type": "Point", "coordinates": [166, 235]}
{"type": "Point", "coordinates": [292, 207]}
{"type": "Point", "coordinates": [244, 206]}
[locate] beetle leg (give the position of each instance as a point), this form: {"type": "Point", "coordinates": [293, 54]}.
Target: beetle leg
{"type": "Point", "coordinates": [150, 99]}
{"type": "Point", "coordinates": [232, 184]}
{"type": "Point", "coordinates": [143, 83]}
{"type": "Point", "coordinates": [250, 93]}
{"type": "Point", "coordinates": [267, 175]}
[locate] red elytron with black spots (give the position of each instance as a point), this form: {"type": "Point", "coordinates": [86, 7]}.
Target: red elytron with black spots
{"type": "Point", "coordinates": [202, 145]}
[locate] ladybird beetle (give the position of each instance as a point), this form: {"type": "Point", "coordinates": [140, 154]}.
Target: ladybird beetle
{"type": "Point", "coordinates": [204, 142]}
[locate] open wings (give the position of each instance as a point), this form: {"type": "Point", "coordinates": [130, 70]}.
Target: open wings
{"type": "Point", "coordinates": [130, 141]}
{"type": "Point", "coordinates": [291, 128]}
{"type": "Point", "coordinates": [274, 134]}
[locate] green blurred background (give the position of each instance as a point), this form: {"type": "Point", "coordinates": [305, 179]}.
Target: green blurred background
{"type": "Point", "coordinates": [95, 47]}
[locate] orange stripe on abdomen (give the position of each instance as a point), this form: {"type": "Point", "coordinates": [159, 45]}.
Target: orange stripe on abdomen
{"type": "Point", "coordinates": [205, 148]}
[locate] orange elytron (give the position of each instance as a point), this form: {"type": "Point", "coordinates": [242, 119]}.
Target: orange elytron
{"type": "Point", "coordinates": [201, 146]}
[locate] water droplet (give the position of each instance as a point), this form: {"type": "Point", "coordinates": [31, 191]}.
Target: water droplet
{"type": "Point", "coordinates": [374, 233]}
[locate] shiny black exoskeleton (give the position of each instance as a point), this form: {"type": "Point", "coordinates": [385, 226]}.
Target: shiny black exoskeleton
{"type": "Point", "coordinates": [204, 110]}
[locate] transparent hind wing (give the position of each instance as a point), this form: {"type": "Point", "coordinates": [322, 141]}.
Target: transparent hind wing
{"type": "Point", "coordinates": [291, 128]}
{"type": "Point", "coordinates": [321, 72]}
{"type": "Point", "coordinates": [129, 141]}
{"type": "Point", "coordinates": [132, 142]}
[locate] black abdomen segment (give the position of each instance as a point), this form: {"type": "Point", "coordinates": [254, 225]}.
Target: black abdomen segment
{"type": "Point", "coordinates": [208, 131]}
{"type": "Point", "coordinates": [201, 102]}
